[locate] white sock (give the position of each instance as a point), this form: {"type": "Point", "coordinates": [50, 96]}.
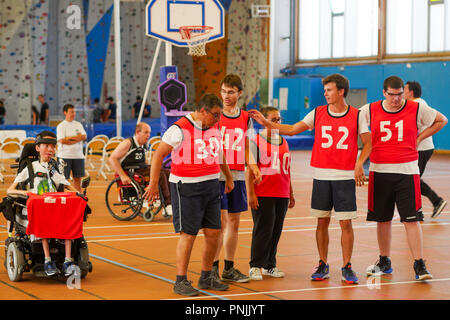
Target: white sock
{"type": "Point", "coordinates": [48, 259]}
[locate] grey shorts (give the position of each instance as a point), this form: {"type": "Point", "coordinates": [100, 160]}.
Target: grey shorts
{"type": "Point", "coordinates": [76, 166]}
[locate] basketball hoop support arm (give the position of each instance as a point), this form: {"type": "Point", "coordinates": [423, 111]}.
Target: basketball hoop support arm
{"type": "Point", "coordinates": [149, 80]}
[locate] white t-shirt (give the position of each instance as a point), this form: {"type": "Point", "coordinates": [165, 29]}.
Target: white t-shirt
{"type": "Point", "coordinates": [174, 137]}
{"type": "Point", "coordinates": [41, 184]}
{"type": "Point", "coordinates": [70, 129]}
{"type": "Point", "coordinates": [426, 144]}
{"type": "Point", "coordinates": [334, 174]}
{"type": "Point", "coordinates": [425, 118]}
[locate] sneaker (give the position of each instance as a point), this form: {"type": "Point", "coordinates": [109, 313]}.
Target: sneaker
{"type": "Point", "coordinates": [212, 283]}
{"type": "Point", "coordinates": [273, 272]}
{"type": "Point", "coordinates": [255, 274]}
{"type": "Point", "coordinates": [348, 275]}
{"type": "Point", "coordinates": [185, 288]}
{"type": "Point", "coordinates": [235, 275]}
{"type": "Point", "coordinates": [169, 210]}
{"type": "Point", "coordinates": [438, 208]}
{"type": "Point", "coordinates": [322, 272]}
{"type": "Point", "coordinates": [50, 268]}
{"type": "Point", "coordinates": [421, 270]}
{"type": "Point", "coordinates": [215, 272]}
{"type": "Point", "coordinates": [68, 268]}
{"type": "Point", "coordinates": [382, 266]}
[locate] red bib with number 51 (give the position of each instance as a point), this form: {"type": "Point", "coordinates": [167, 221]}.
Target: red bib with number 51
{"type": "Point", "coordinates": [394, 134]}
{"type": "Point", "coordinates": [335, 139]}
{"type": "Point", "coordinates": [198, 154]}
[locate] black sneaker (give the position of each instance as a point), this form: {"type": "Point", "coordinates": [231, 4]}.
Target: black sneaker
{"type": "Point", "coordinates": [212, 283]}
{"type": "Point", "coordinates": [215, 272]}
{"type": "Point", "coordinates": [382, 266]}
{"type": "Point", "coordinates": [421, 271]}
{"type": "Point", "coordinates": [235, 275]}
{"type": "Point", "coordinates": [185, 288]}
{"type": "Point", "coordinates": [438, 208]}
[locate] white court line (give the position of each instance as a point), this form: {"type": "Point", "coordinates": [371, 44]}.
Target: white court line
{"type": "Point", "coordinates": [249, 232]}
{"type": "Point", "coordinates": [370, 286]}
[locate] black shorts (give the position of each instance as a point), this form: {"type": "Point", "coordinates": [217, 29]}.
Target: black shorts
{"type": "Point", "coordinates": [76, 166]}
{"type": "Point", "coordinates": [389, 189]}
{"type": "Point", "coordinates": [337, 194]}
{"type": "Point", "coordinates": [195, 206]}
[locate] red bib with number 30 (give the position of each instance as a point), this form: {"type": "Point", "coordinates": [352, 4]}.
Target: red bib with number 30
{"type": "Point", "coordinates": [394, 134]}
{"type": "Point", "coordinates": [198, 154]}
{"type": "Point", "coordinates": [335, 139]}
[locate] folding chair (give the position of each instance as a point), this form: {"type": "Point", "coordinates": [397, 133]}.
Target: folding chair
{"type": "Point", "coordinates": [117, 138]}
{"type": "Point", "coordinates": [9, 150]}
{"type": "Point", "coordinates": [11, 139]}
{"type": "Point", "coordinates": [27, 140]}
{"type": "Point", "coordinates": [153, 146]}
{"type": "Point", "coordinates": [93, 152]}
{"type": "Point", "coordinates": [107, 150]}
{"type": "Point", "coordinates": [103, 137]}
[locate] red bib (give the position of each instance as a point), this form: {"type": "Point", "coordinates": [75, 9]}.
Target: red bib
{"type": "Point", "coordinates": [198, 154]}
{"type": "Point", "coordinates": [234, 132]}
{"type": "Point", "coordinates": [394, 134]}
{"type": "Point", "coordinates": [335, 139]}
{"type": "Point", "coordinates": [274, 162]}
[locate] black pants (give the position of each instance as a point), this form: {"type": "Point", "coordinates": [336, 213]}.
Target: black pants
{"type": "Point", "coordinates": [425, 189]}
{"type": "Point", "coordinates": [268, 222]}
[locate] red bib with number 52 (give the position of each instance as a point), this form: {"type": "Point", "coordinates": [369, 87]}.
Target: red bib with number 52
{"type": "Point", "coordinates": [335, 139]}
{"type": "Point", "coordinates": [394, 134]}
{"type": "Point", "coordinates": [198, 154]}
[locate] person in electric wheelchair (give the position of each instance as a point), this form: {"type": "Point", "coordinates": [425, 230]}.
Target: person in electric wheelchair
{"type": "Point", "coordinates": [38, 173]}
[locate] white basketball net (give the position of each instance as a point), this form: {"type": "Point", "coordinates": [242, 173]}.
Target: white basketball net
{"type": "Point", "coordinates": [196, 38]}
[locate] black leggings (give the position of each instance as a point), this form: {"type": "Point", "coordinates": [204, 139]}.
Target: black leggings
{"type": "Point", "coordinates": [425, 189]}
{"type": "Point", "coordinates": [268, 222]}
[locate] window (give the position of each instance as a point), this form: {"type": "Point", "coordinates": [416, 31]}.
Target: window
{"type": "Point", "coordinates": [337, 29]}
{"type": "Point", "coordinates": [417, 26]}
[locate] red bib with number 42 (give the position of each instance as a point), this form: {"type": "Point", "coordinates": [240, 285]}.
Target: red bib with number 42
{"type": "Point", "coordinates": [335, 139]}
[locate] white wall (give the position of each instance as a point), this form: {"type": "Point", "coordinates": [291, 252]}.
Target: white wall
{"type": "Point", "coordinates": [281, 19]}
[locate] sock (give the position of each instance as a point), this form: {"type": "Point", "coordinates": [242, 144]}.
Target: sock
{"type": "Point", "coordinates": [48, 259]}
{"type": "Point", "coordinates": [216, 264]}
{"type": "Point", "coordinates": [205, 274]}
{"type": "Point", "coordinates": [181, 278]}
{"type": "Point", "coordinates": [68, 260]}
{"type": "Point", "coordinates": [228, 264]}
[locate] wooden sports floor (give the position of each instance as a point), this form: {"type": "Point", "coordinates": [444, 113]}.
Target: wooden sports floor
{"type": "Point", "coordinates": [136, 260]}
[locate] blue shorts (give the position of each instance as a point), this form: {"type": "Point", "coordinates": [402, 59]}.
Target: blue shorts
{"type": "Point", "coordinates": [76, 166]}
{"type": "Point", "coordinates": [236, 200]}
{"type": "Point", "coordinates": [195, 206]}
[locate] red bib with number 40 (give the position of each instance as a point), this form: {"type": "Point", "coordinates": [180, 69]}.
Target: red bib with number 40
{"type": "Point", "coordinates": [394, 134]}
{"type": "Point", "coordinates": [335, 139]}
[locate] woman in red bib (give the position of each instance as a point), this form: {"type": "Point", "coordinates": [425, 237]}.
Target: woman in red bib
{"type": "Point", "coordinates": [269, 199]}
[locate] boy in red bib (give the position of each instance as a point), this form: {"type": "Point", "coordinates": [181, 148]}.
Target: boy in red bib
{"type": "Point", "coordinates": [334, 155]}
{"type": "Point", "coordinates": [394, 178]}
{"type": "Point", "coordinates": [197, 159]}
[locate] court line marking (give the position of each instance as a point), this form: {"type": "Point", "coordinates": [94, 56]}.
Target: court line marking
{"type": "Point", "coordinates": [242, 233]}
{"type": "Point", "coordinates": [152, 275]}
{"type": "Point", "coordinates": [324, 288]}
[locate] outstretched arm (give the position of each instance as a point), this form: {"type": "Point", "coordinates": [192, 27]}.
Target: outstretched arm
{"type": "Point", "coordinates": [283, 129]}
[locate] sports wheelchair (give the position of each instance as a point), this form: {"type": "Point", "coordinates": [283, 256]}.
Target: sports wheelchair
{"type": "Point", "coordinates": [23, 253]}
{"type": "Point", "coordinates": [125, 202]}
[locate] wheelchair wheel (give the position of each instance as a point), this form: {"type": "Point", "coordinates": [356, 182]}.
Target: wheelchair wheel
{"type": "Point", "coordinates": [153, 209]}
{"type": "Point", "coordinates": [15, 262]}
{"type": "Point", "coordinates": [124, 202]}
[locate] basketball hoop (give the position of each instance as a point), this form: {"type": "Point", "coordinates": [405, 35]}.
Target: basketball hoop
{"type": "Point", "coordinates": [196, 38]}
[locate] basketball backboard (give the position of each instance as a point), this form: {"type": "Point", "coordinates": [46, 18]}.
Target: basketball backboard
{"type": "Point", "coordinates": [165, 17]}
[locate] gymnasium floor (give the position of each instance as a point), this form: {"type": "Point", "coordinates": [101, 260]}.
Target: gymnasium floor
{"type": "Point", "coordinates": [136, 260]}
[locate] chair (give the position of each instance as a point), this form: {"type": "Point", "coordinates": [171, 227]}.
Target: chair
{"type": "Point", "coordinates": [9, 150]}
{"type": "Point", "coordinates": [27, 140]}
{"type": "Point", "coordinates": [107, 150]}
{"type": "Point", "coordinates": [103, 137]}
{"type": "Point", "coordinates": [94, 151]}
{"type": "Point", "coordinates": [153, 146]}
{"type": "Point", "coordinates": [153, 139]}
{"type": "Point", "coordinates": [11, 139]}
{"type": "Point", "coordinates": [117, 138]}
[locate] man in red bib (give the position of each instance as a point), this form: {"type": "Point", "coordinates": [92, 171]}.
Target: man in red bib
{"type": "Point", "coordinates": [394, 172]}
{"type": "Point", "coordinates": [197, 159]}
{"type": "Point", "coordinates": [335, 168]}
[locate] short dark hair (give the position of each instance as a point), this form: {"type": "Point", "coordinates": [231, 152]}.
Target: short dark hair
{"type": "Point", "coordinates": [393, 82]}
{"type": "Point", "coordinates": [110, 98]}
{"type": "Point", "coordinates": [232, 80]}
{"type": "Point", "coordinates": [266, 110]}
{"type": "Point", "coordinates": [67, 107]}
{"type": "Point", "coordinates": [209, 101]}
{"type": "Point", "coordinates": [340, 81]}
{"type": "Point", "coordinates": [415, 87]}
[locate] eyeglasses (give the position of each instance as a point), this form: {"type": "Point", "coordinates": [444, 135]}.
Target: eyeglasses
{"type": "Point", "coordinates": [215, 115]}
{"type": "Point", "coordinates": [391, 94]}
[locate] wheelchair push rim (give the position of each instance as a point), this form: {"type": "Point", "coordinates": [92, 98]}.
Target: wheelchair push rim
{"type": "Point", "coordinates": [124, 202]}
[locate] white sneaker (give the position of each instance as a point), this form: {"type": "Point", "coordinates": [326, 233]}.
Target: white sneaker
{"type": "Point", "coordinates": [169, 210]}
{"type": "Point", "coordinates": [255, 274]}
{"type": "Point", "coordinates": [274, 272]}
{"type": "Point", "coordinates": [145, 205]}
{"type": "Point", "coordinates": [156, 203]}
